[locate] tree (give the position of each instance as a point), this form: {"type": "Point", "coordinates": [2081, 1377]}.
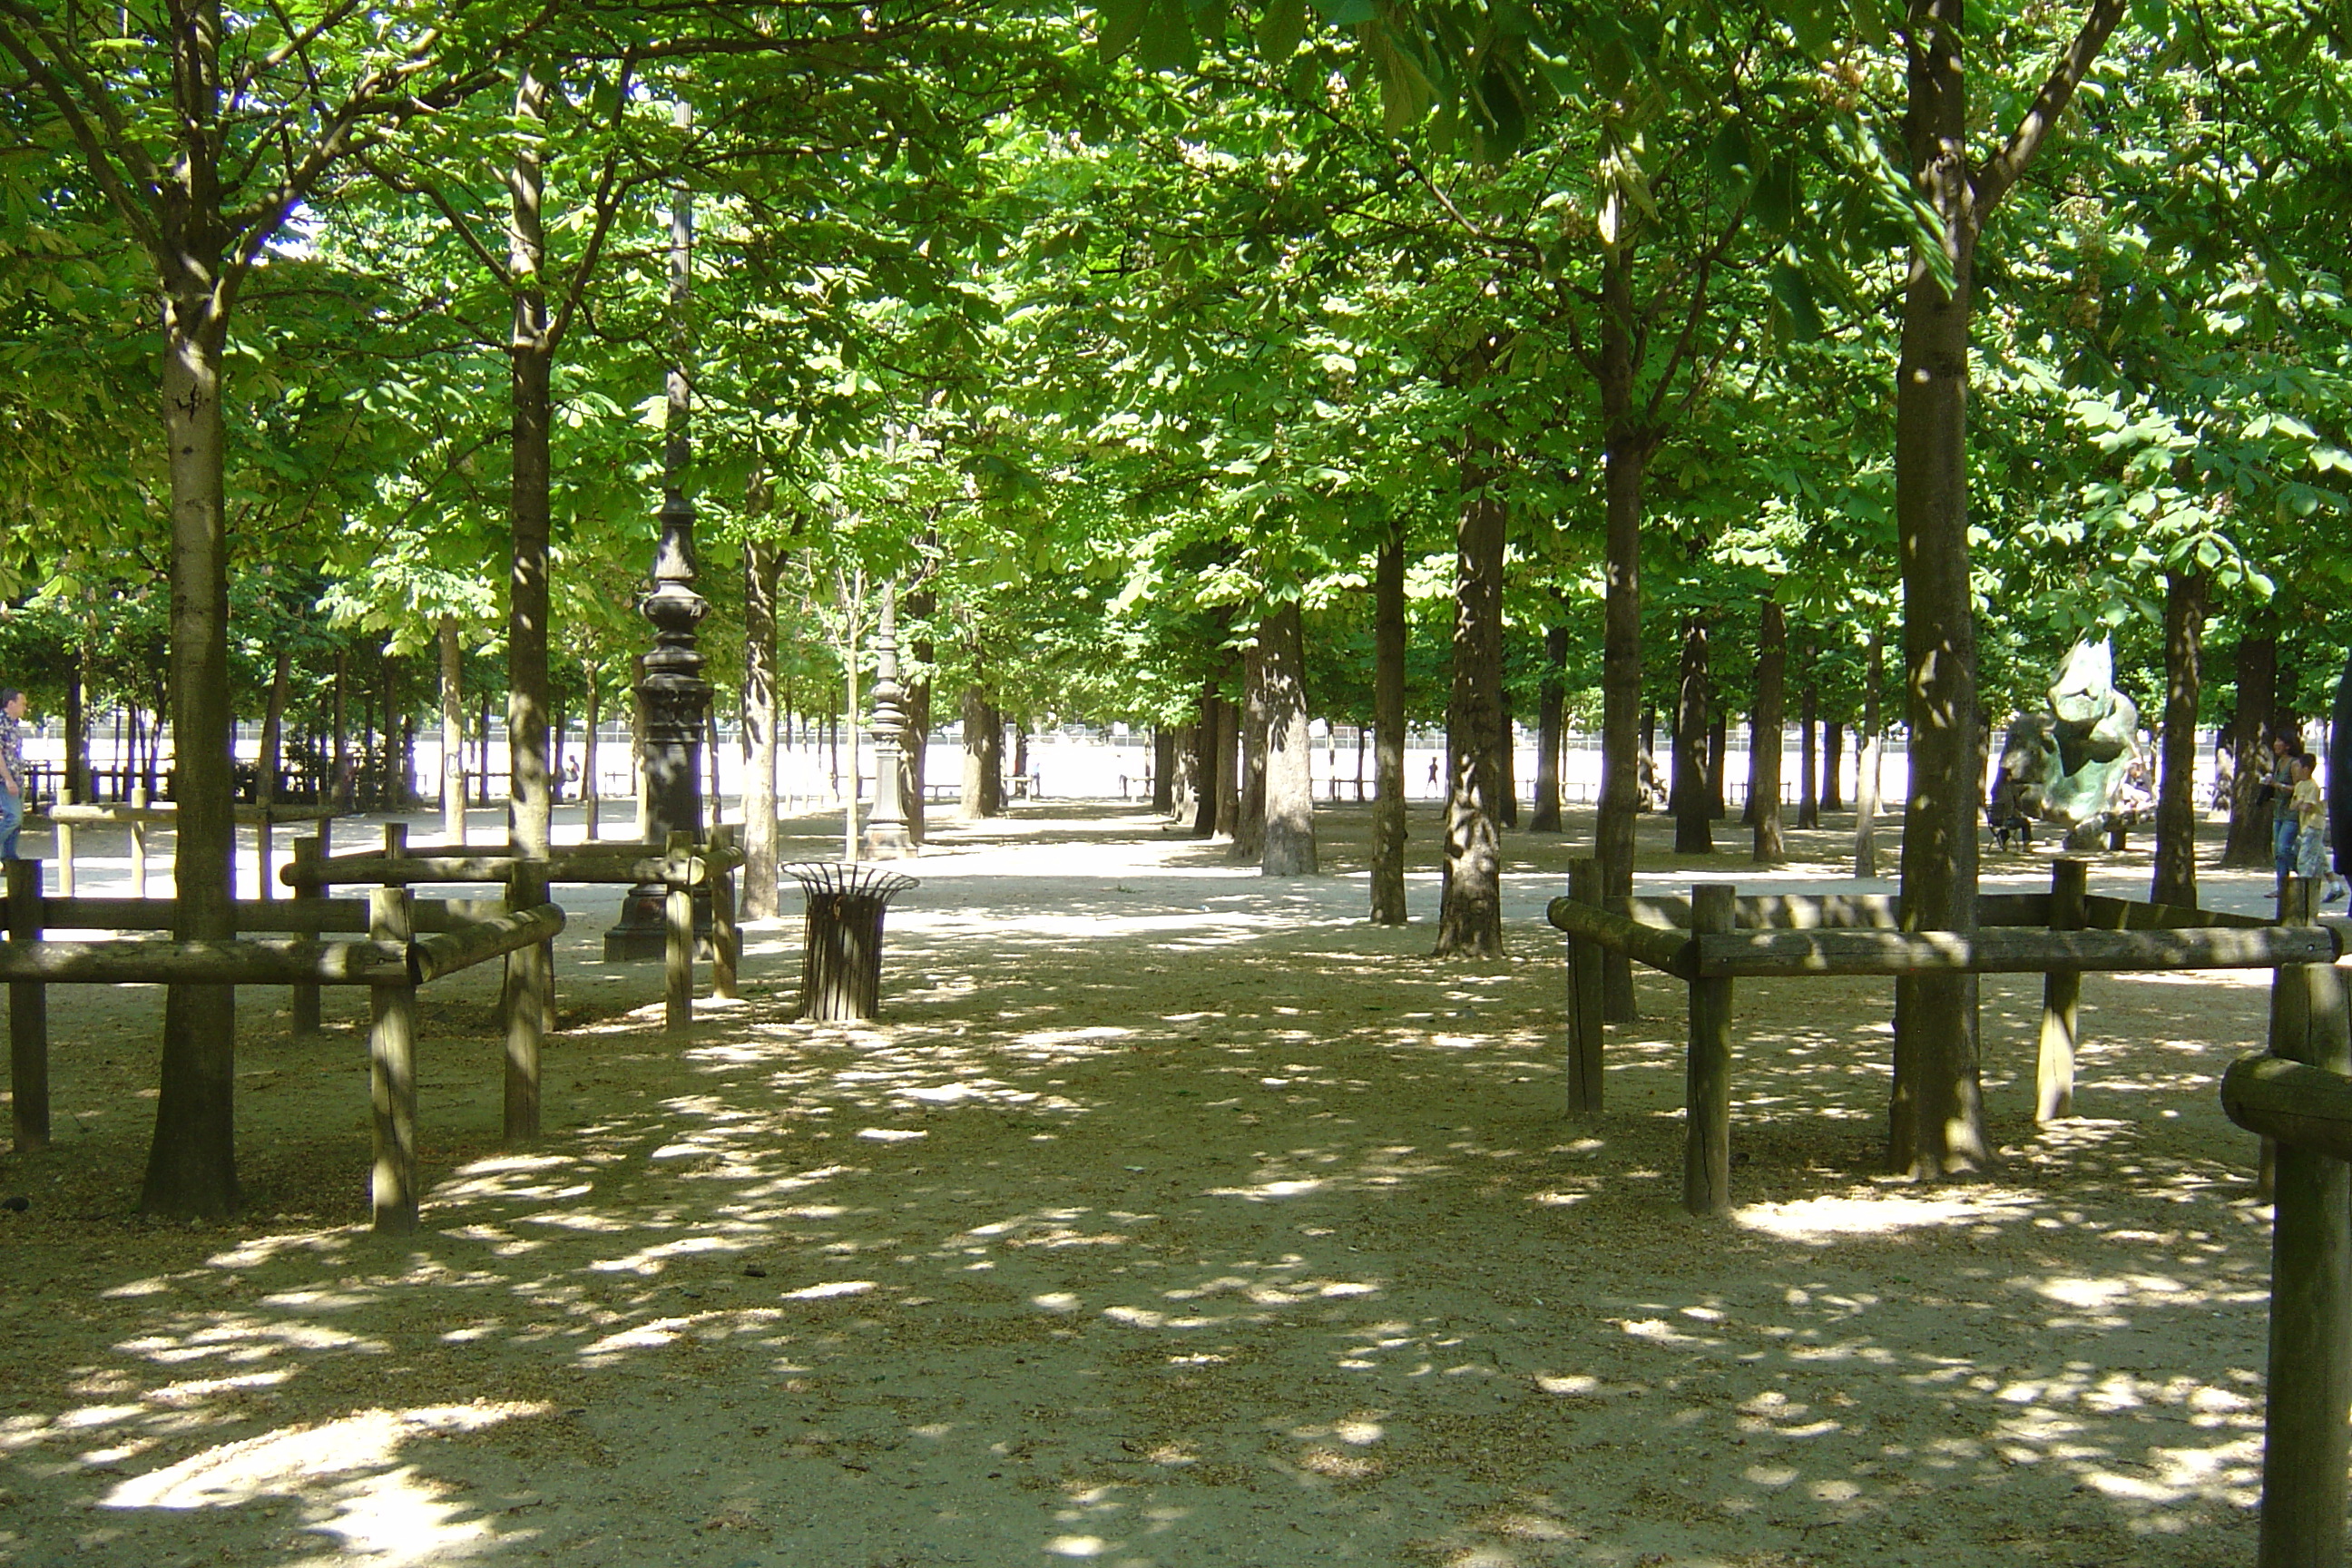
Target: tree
{"type": "Point", "coordinates": [1938, 1121]}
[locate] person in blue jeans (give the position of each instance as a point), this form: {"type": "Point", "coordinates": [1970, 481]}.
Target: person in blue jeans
{"type": "Point", "coordinates": [12, 769]}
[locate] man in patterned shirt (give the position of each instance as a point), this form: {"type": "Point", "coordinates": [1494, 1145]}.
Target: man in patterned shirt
{"type": "Point", "coordinates": [12, 769]}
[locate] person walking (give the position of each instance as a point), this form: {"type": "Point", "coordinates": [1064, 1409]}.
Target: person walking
{"type": "Point", "coordinates": [12, 769]}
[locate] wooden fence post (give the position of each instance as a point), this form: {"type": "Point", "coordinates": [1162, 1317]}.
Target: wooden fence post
{"type": "Point", "coordinates": [677, 952]}
{"type": "Point", "coordinates": [526, 1007]}
{"type": "Point", "coordinates": [396, 840]}
{"type": "Point", "coordinates": [308, 852]}
{"type": "Point", "coordinates": [28, 1015]}
{"type": "Point", "coordinates": [726, 936]}
{"type": "Point", "coordinates": [1706, 1139]}
{"type": "Point", "coordinates": [65, 834]}
{"type": "Point", "coordinates": [2061, 995]}
{"type": "Point", "coordinates": [138, 841]}
{"type": "Point", "coordinates": [2310, 1379]}
{"type": "Point", "coordinates": [391, 1072]}
{"type": "Point", "coordinates": [1586, 983]}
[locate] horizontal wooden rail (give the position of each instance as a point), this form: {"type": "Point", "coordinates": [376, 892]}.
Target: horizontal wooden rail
{"type": "Point", "coordinates": [265, 915]}
{"type": "Point", "coordinates": [2302, 1106]}
{"type": "Point", "coordinates": [1659, 948]}
{"type": "Point", "coordinates": [2133, 914]}
{"type": "Point", "coordinates": [87, 815]}
{"type": "Point", "coordinates": [269, 961]}
{"type": "Point", "coordinates": [630, 864]}
{"type": "Point", "coordinates": [1831, 911]}
{"type": "Point", "coordinates": [432, 957]}
{"type": "Point", "coordinates": [2006, 952]}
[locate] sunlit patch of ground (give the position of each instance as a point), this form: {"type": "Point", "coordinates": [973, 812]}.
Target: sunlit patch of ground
{"type": "Point", "coordinates": [1168, 1217]}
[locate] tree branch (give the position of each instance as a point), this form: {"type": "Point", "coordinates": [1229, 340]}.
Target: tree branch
{"type": "Point", "coordinates": [1993, 177]}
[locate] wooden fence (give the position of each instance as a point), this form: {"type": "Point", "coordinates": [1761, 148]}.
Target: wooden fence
{"type": "Point", "coordinates": [681, 867]}
{"type": "Point", "coordinates": [407, 944]}
{"type": "Point", "coordinates": [1715, 936]}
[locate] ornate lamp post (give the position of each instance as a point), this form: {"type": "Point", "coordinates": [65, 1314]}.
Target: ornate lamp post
{"type": "Point", "coordinates": [885, 829]}
{"type": "Point", "coordinates": [672, 688]}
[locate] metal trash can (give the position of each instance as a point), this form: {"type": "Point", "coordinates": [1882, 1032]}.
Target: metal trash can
{"type": "Point", "coordinates": [841, 945]}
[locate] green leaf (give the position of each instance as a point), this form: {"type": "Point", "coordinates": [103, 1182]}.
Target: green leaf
{"type": "Point", "coordinates": [1793, 292]}
{"type": "Point", "coordinates": [1119, 23]}
{"type": "Point", "coordinates": [1167, 42]}
{"type": "Point", "coordinates": [1278, 34]}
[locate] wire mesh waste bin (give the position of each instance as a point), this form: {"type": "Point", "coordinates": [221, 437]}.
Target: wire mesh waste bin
{"type": "Point", "coordinates": [841, 950]}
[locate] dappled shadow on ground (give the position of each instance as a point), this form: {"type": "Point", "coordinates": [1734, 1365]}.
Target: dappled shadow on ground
{"type": "Point", "coordinates": [1163, 1222]}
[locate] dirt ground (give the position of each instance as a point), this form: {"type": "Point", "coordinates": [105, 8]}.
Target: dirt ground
{"type": "Point", "coordinates": [1172, 1216]}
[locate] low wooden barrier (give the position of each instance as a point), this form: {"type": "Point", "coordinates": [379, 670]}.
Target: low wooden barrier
{"type": "Point", "coordinates": [681, 867]}
{"type": "Point", "coordinates": [2299, 1096]}
{"type": "Point", "coordinates": [392, 960]}
{"type": "Point", "coordinates": [66, 817]}
{"type": "Point", "coordinates": [1716, 937]}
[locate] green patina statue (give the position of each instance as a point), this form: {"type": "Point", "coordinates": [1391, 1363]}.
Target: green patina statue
{"type": "Point", "coordinates": [2080, 766]}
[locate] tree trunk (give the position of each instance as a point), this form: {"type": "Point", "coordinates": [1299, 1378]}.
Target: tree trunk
{"type": "Point", "coordinates": [1693, 810]}
{"type": "Point", "coordinates": [1249, 828]}
{"type": "Point", "coordinates": [340, 797]}
{"type": "Point", "coordinates": [1764, 729]}
{"type": "Point", "coordinates": [77, 728]}
{"type": "Point", "coordinates": [591, 802]}
{"type": "Point", "coordinates": [1718, 752]}
{"type": "Point", "coordinates": [1507, 757]}
{"type": "Point", "coordinates": [1163, 769]}
{"type": "Point", "coordinates": [2249, 844]}
{"type": "Point", "coordinates": [1388, 727]}
{"type": "Point", "coordinates": [530, 350]}
{"type": "Point", "coordinates": [1470, 907]}
{"type": "Point", "coordinates": [1938, 1112]}
{"type": "Point", "coordinates": [1809, 778]}
{"type": "Point", "coordinates": [1870, 747]}
{"type": "Point", "coordinates": [2339, 766]}
{"type": "Point", "coordinates": [1832, 764]}
{"type": "Point", "coordinates": [452, 735]}
{"type": "Point", "coordinates": [1552, 704]}
{"type": "Point", "coordinates": [1289, 848]}
{"type": "Point", "coordinates": [1229, 763]}
{"type": "Point", "coordinates": [1625, 458]}
{"type": "Point", "coordinates": [915, 701]}
{"type": "Point", "coordinates": [191, 1163]}
{"type": "Point", "coordinates": [1206, 748]}
{"type": "Point", "coordinates": [2175, 878]}
{"type": "Point", "coordinates": [639, 774]}
{"type": "Point", "coordinates": [271, 759]}
{"type": "Point", "coordinates": [761, 569]}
